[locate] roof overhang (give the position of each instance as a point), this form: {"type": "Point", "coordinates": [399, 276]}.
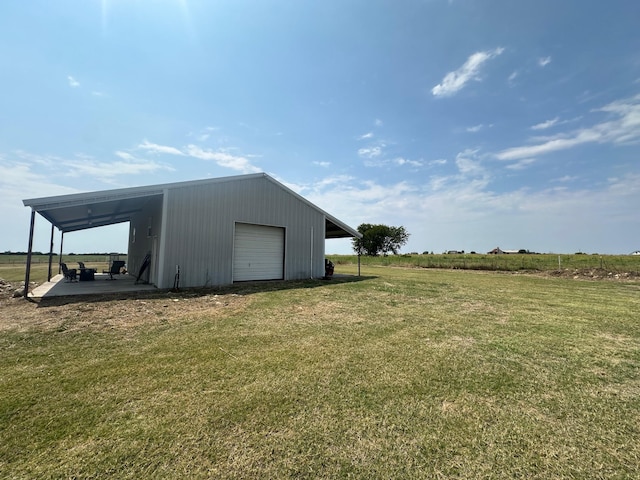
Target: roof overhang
{"type": "Point", "coordinates": [336, 229]}
{"type": "Point", "coordinates": [70, 213]}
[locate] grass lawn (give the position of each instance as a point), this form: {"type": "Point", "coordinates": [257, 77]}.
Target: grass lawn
{"type": "Point", "coordinates": [405, 373]}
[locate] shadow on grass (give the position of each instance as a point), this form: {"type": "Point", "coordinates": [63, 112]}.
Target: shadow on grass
{"type": "Point", "coordinates": [242, 288]}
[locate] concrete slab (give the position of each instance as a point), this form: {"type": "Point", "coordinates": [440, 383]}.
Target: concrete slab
{"type": "Point", "coordinates": [58, 287]}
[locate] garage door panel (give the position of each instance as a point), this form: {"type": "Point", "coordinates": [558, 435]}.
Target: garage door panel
{"type": "Point", "coordinates": [258, 253]}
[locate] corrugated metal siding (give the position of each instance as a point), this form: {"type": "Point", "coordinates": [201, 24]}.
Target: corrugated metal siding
{"type": "Point", "coordinates": [200, 230]}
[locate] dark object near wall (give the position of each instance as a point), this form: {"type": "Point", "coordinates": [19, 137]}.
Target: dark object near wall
{"type": "Point", "coordinates": [328, 269]}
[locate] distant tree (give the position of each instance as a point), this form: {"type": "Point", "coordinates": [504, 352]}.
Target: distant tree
{"type": "Point", "coordinates": [377, 239]}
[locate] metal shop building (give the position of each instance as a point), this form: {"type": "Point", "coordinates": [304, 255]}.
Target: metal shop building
{"type": "Point", "coordinates": [216, 231]}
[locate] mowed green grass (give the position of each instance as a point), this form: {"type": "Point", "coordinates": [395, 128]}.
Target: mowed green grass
{"type": "Point", "coordinates": [406, 373]}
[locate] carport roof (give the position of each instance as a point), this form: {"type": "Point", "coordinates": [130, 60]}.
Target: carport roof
{"type": "Point", "coordinates": [81, 211]}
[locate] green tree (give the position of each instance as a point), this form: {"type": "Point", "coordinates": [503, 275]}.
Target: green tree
{"type": "Point", "coordinates": [377, 239]}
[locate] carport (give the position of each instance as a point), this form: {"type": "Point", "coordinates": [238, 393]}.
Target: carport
{"type": "Point", "coordinates": [75, 212]}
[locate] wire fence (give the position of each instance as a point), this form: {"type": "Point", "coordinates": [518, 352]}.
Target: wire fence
{"type": "Point", "coordinates": [505, 262]}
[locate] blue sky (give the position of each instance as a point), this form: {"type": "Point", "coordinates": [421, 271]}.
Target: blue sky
{"type": "Point", "coordinates": [473, 124]}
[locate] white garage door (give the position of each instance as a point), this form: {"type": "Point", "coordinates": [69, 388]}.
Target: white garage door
{"type": "Point", "coordinates": [258, 253]}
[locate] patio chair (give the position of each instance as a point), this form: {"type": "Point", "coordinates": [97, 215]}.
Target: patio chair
{"type": "Point", "coordinates": [70, 274]}
{"type": "Point", "coordinates": [116, 267]}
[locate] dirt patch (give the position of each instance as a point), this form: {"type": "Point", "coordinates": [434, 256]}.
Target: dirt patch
{"type": "Point", "coordinates": [593, 274]}
{"type": "Point", "coordinates": [111, 312]}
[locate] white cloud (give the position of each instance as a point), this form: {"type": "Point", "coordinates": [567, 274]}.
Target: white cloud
{"type": "Point", "coordinates": [155, 148]}
{"type": "Point", "coordinates": [84, 167]}
{"type": "Point", "coordinates": [45, 161]}
{"type": "Point", "coordinates": [456, 80]}
{"type": "Point", "coordinates": [565, 179]}
{"type": "Point", "coordinates": [522, 164]}
{"type": "Point", "coordinates": [468, 163]}
{"type": "Point", "coordinates": [543, 62]}
{"type": "Point", "coordinates": [439, 161]}
{"type": "Point", "coordinates": [403, 161]}
{"type": "Point", "coordinates": [366, 136]}
{"type": "Point", "coordinates": [19, 181]}
{"type": "Point", "coordinates": [545, 125]}
{"type": "Point", "coordinates": [398, 161]}
{"type": "Point", "coordinates": [624, 128]}
{"type": "Point", "coordinates": [223, 159]}
{"type": "Point", "coordinates": [370, 152]}
{"type": "Point", "coordinates": [73, 83]}
{"type": "Point", "coordinates": [125, 156]}
{"type": "Point", "coordinates": [378, 122]}
{"type": "Point", "coordinates": [477, 128]}
{"type": "Point", "coordinates": [323, 164]}
{"type": "Point", "coordinates": [513, 76]}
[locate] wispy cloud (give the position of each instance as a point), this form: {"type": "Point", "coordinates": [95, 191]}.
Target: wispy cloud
{"type": "Point", "coordinates": [125, 156]}
{"type": "Point", "coordinates": [397, 162]}
{"type": "Point", "coordinates": [322, 164]}
{"type": "Point", "coordinates": [543, 62]}
{"type": "Point", "coordinates": [234, 162]}
{"type": "Point", "coordinates": [378, 122]}
{"type": "Point", "coordinates": [163, 149]}
{"type": "Point", "coordinates": [624, 128]}
{"type": "Point", "coordinates": [18, 180]}
{"type": "Point", "coordinates": [370, 152]}
{"type": "Point", "coordinates": [404, 161]}
{"type": "Point", "coordinates": [222, 158]}
{"type": "Point", "coordinates": [545, 125]}
{"type": "Point", "coordinates": [366, 136]}
{"type": "Point", "coordinates": [73, 83]}
{"type": "Point", "coordinates": [565, 179]}
{"type": "Point", "coordinates": [204, 134]}
{"type": "Point", "coordinates": [83, 167]}
{"type": "Point", "coordinates": [477, 128]}
{"type": "Point", "coordinates": [469, 164]}
{"type": "Point", "coordinates": [439, 161]}
{"type": "Point", "coordinates": [522, 164]}
{"type": "Point", "coordinates": [470, 70]}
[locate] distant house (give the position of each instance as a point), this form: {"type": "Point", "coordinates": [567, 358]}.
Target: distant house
{"type": "Point", "coordinates": [637, 252]}
{"type": "Point", "coordinates": [499, 251]}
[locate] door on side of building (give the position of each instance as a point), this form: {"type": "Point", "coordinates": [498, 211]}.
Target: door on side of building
{"type": "Point", "coordinates": [258, 252]}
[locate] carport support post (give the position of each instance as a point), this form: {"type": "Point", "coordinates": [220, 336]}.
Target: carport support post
{"type": "Point", "coordinates": [50, 254]}
{"type": "Point", "coordinates": [28, 270]}
{"type": "Point", "coordinates": [60, 257]}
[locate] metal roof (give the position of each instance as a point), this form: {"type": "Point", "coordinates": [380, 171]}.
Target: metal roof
{"type": "Point", "coordinates": [81, 211]}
